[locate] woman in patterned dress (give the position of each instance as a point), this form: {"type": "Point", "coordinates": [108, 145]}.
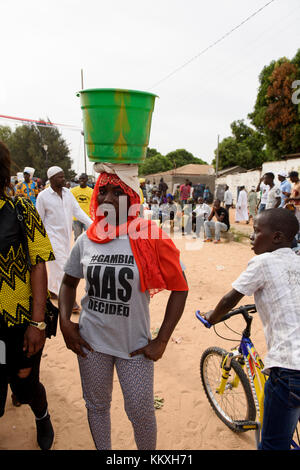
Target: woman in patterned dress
{"type": "Point", "coordinates": [23, 294]}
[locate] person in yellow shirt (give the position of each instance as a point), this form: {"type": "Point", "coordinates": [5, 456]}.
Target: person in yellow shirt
{"type": "Point", "coordinates": [82, 194]}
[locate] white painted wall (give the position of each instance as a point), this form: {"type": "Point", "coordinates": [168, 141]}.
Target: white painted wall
{"type": "Point", "coordinates": [287, 165]}
{"type": "Point", "coordinates": [248, 179]}
{"type": "Point", "coordinates": [251, 178]}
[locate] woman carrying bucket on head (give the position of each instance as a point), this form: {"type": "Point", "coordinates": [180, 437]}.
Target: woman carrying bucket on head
{"type": "Point", "coordinates": [124, 260]}
{"type": "Point", "coordinates": [123, 265]}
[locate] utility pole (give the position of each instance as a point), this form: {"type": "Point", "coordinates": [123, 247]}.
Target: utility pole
{"type": "Point", "coordinates": [217, 167]}
{"type": "Point", "coordinates": [217, 159]}
{"type": "Point", "coordinates": [84, 148]}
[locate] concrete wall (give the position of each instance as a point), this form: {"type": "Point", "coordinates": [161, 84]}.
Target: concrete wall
{"type": "Point", "coordinates": [251, 178]}
{"type": "Point", "coordinates": [287, 165]}
{"type": "Point", "coordinates": [248, 179]}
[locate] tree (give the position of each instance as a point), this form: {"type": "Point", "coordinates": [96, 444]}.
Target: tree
{"type": "Point", "coordinates": [275, 115]}
{"type": "Point", "coordinates": [37, 147]}
{"type": "Point", "coordinates": [244, 148]}
{"type": "Point", "coordinates": [181, 157]}
{"type": "Point", "coordinates": [151, 152]}
{"type": "Point", "coordinates": [257, 117]}
{"type": "Point", "coordinates": [157, 163]}
{"type": "Point", "coordinates": [5, 133]}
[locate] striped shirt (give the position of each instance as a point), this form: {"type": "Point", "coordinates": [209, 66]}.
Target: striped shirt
{"type": "Point", "coordinates": [274, 279]}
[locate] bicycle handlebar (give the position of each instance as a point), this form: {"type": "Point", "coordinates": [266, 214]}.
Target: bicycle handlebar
{"type": "Point", "coordinates": [203, 320]}
{"type": "Point", "coordinates": [243, 310]}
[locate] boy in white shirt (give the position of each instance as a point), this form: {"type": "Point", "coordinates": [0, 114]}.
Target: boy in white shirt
{"type": "Point", "coordinates": [274, 278]}
{"type": "Point", "coordinates": [263, 189]}
{"type": "Point", "coordinates": [227, 198]}
{"type": "Point", "coordinates": [274, 193]}
{"type": "Point", "coordinates": [199, 215]}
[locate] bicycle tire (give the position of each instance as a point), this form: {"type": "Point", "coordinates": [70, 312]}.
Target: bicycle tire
{"type": "Point", "coordinates": [240, 397]}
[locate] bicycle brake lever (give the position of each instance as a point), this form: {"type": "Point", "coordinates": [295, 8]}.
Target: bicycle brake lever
{"type": "Point", "coordinates": [203, 320]}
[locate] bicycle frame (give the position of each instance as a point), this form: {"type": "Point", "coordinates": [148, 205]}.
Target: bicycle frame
{"type": "Point", "coordinates": [254, 367]}
{"type": "Point", "coordinates": [247, 356]}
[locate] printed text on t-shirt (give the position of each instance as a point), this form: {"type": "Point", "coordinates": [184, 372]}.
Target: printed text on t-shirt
{"type": "Point", "coordinates": [110, 280]}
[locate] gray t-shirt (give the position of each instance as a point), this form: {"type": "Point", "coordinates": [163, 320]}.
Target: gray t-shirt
{"type": "Point", "coordinates": [115, 313]}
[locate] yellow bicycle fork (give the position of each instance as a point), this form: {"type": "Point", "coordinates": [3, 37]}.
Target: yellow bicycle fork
{"type": "Point", "coordinates": [226, 368]}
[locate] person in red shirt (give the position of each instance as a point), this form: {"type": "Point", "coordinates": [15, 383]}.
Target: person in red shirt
{"type": "Point", "coordinates": [184, 192]}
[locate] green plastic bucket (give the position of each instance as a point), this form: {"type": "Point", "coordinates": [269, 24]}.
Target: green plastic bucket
{"type": "Point", "coordinates": [116, 124]}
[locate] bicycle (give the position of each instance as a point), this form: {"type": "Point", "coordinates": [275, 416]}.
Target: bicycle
{"type": "Point", "coordinates": [233, 380]}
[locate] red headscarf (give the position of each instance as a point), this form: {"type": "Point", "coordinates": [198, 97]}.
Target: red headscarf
{"type": "Point", "coordinates": [155, 254]}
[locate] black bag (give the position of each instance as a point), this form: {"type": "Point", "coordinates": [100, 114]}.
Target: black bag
{"type": "Point", "coordinates": [51, 318]}
{"type": "Point", "coordinates": [52, 312]}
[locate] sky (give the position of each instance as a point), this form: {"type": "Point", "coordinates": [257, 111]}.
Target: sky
{"type": "Point", "coordinates": [138, 44]}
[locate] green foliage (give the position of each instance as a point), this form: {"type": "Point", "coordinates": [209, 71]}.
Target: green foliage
{"type": "Point", "coordinates": [275, 118]}
{"type": "Point", "coordinates": [243, 148]}
{"type": "Point", "coordinates": [26, 145]}
{"type": "Point", "coordinates": [274, 114]}
{"type": "Point", "coordinates": [257, 117]}
{"type": "Point", "coordinates": [157, 163]}
{"type": "Point", "coordinates": [5, 133]}
{"type": "Point", "coordinates": [151, 152]}
{"type": "Point", "coordinates": [182, 157]}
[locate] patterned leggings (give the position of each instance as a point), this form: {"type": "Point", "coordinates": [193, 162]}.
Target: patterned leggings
{"type": "Point", "coordinates": [136, 380]}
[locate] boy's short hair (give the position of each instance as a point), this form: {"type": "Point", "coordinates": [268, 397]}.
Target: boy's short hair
{"type": "Point", "coordinates": [270, 175]}
{"type": "Point", "coordinates": [293, 174]}
{"type": "Point", "coordinates": [281, 220]}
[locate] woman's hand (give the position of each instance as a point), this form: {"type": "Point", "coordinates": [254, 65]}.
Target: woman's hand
{"type": "Point", "coordinates": [34, 340]}
{"type": "Point", "coordinates": [153, 351]}
{"type": "Point", "coordinates": [73, 339]}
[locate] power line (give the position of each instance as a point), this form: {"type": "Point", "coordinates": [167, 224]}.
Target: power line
{"type": "Point", "coordinates": [39, 123]}
{"type": "Point", "coordinates": [213, 44]}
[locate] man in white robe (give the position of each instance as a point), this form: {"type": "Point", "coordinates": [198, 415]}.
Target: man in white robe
{"type": "Point", "coordinates": [241, 212]}
{"type": "Point", "coordinates": [57, 206]}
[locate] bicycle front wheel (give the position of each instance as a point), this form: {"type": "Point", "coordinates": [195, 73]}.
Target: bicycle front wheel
{"type": "Point", "coordinates": [236, 403]}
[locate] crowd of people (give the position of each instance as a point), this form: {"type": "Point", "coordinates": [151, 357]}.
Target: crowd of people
{"type": "Point", "coordinates": [122, 272]}
{"type": "Point", "coordinates": [192, 208]}
{"type": "Point", "coordinates": [186, 206]}
{"type": "Point", "coordinates": [268, 194]}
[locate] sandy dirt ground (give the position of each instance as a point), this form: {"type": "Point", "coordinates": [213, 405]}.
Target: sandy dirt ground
{"type": "Point", "coordinates": [186, 420]}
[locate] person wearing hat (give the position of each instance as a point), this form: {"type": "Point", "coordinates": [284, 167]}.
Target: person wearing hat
{"type": "Point", "coordinates": [28, 188]}
{"type": "Point", "coordinates": [285, 187]}
{"type": "Point", "coordinates": [124, 260]}
{"type": "Point", "coordinates": [57, 207]}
